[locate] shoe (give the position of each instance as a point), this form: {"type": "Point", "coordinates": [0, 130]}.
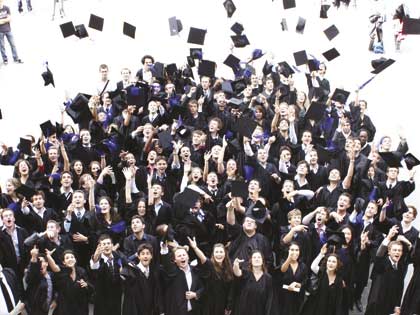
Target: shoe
{"type": "Point", "coordinates": [5, 62]}
{"type": "Point", "coordinates": [18, 61]}
{"type": "Point", "coordinates": [359, 306]}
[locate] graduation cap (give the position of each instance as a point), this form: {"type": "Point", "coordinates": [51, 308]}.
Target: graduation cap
{"type": "Point", "coordinates": [324, 155]}
{"type": "Point", "coordinates": [411, 26]}
{"type": "Point", "coordinates": [191, 64]}
{"type": "Point", "coordinates": [165, 139]}
{"type": "Point", "coordinates": [336, 238]}
{"type": "Point", "coordinates": [381, 64]}
{"type": "Point", "coordinates": [81, 31]}
{"type": "Point", "coordinates": [283, 24]}
{"type": "Point", "coordinates": [340, 96]}
{"type": "Point", "coordinates": [239, 85]}
{"type": "Point", "coordinates": [267, 68]}
{"type": "Point", "coordinates": [232, 62]}
{"type": "Point", "coordinates": [187, 198]}
{"type": "Point", "coordinates": [313, 65]}
{"type": "Point", "coordinates": [158, 70]}
{"type": "Point", "coordinates": [245, 126]}
{"type": "Point", "coordinates": [25, 191]}
{"type": "Point", "coordinates": [96, 22]}
{"type": "Point", "coordinates": [392, 159]}
{"type": "Point", "coordinates": [227, 87]}
{"type": "Point", "coordinates": [196, 36]}
{"type": "Point", "coordinates": [289, 4]}
{"type": "Point", "coordinates": [239, 189]}
{"type": "Point", "coordinates": [285, 69]}
{"type": "Point", "coordinates": [79, 110]}
{"type": "Point", "coordinates": [47, 128]}
{"type": "Point", "coordinates": [331, 32]}
{"type": "Point", "coordinates": [300, 57]}
{"type": "Point", "coordinates": [171, 69]}
{"type": "Point", "coordinates": [400, 12]}
{"type": "Point", "coordinates": [411, 161]}
{"type": "Point", "coordinates": [67, 29]}
{"type": "Point", "coordinates": [196, 53]}
{"type": "Point", "coordinates": [129, 30]}
{"type": "Point", "coordinates": [229, 7]}
{"type": "Point", "coordinates": [258, 212]}
{"type": "Point", "coordinates": [240, 41]}
{"type": "Point", "coordinates": [207, 68]}
{"type": "Point", "coordinates": [256, 54]}
{"type": "Point", "coordinates": [331, 54]}
{"type": "Point", "coordinates": [236, 102]}
{"type": "Point", "coordinates": [175, 26]}
{"type": "Point", "coordinates": [25, 146]}
{"type": "Point", "coordinates": [324, 10]}
{"type": "Point", "coordinates": [315, 111]}
{"type": "Point", "coordinates": [48, 76]}
{"type": "Point", "coordinates": [237, 28]}
{"type": "Point", "coordinates": [300, 26]}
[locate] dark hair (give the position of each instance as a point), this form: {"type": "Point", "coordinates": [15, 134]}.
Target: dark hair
{"type": "Point", "coordinates": [104, 237]}
{"type": "Point", "coordinates": [136, 216]}
{"type": "Point", "coordinates": [39, 193]}
{"type": "Point", "coordinates": [66, 172]}
{"type": "Point", "coordinates": [16, 171]}
{"type": "Point", "coordinates": [143, 60]}
{"type": "Point", "coordinates": [68, 251]}
{"type": "Point", "coordinates": [339, 262]}
{"type": "Point", "coordinates": [256, 251]}
{"type": "Point", "coordinates": [145, 246]}
{"type": "Point", "coordinates": [223, 271]}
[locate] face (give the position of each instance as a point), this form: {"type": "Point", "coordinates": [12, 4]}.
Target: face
{"type": "Point", "coordinates": [357, 145]}
{"type": "Point", "coordinates": [107, 245]}
{"type": "Point", "coordinates": [301, 97]}
{"type": "Point", "coordinates": [148, 130]}
{"type": "Point", "coordinates": [371, 171]}
{"type": "Point", "coordinates": [169, 88]}
{"type": "Point", "coordinates": [213, 126]}
{"type": "Point", "coordinates": [231, 165]}
{"type": "Point", "coordinates": [79, 199]}
{"type": "Point", "coordinates": [147, 64]}
{"type": "Point", "coordinates": [256, 260]}
{"type": "Point", "coordinates": [10, 188]}
{"type": "Point", "coordinates": [145, 257]}
{"type": "Point", "coordinates": [395, 252]}
{"type": "Point", "coordinates": [258, 115]}
{"type": "Point", "coordinates": [131, 161]}
{"type": "Point", "coordinates": [254, 186]}
{"type": "Point", "coordinates": [157, 191]}
{"type": "Point", "coordinates": [69, 260]}
{"type": "Point", "coordinates": [284, 109]}
{"type": "Point", "coordinates": [371, 210]}
{"type": "Point", "coordinates": [295, 220]}
{"type": "Point", "coordinates": [284, 125]}
{"type": "Point", "coordinates": [332, 263]}
{"type": "Point", "coordinates": [85, 179]}
{"type": "Point", "coordinates": [125, 74]}
{"type": "Point", "coordinates": [313, 157]}
{"type": "Point", "coordinates": [288, 186]}
{"type": "Point", "coordinates": [193, 108]}
{"type": "Point", "coordinates": [392, 173]}
{"type": "Point", "coordinates": [285, 156]}
{"type": "Point", "coordinates": [105, 206]}
{"type": "Point", "coordinates": [294, 252]}
{"type": "Point", "coordinates": [85, 136]}
{"type": "Point", "coordinates": [269, 85]}
{"type": "Point", "coordinates": [334, 175]}
{"type": "Point", "coordinates": [306, 138]}
{"type": "Point", "coordinates": [104, 73]}
{"type": "Point", "coordinates": [343, 203]}
{"type": "Point", "coordinates": [52, 227]}
{"type": "Point", "coordinates": [141, 208]}
{"type": "Point", "coordinates": [95, 168]}
{"type": "Point", "coordinates": [212, 179]}
{"type": "Point", "coordinates": [151, 157]}
{"type": "Point", "coordinates": [262, 155]}
{"type": "Point", "coordinates": [205, 82]}
{"type": "Point", "coordinates": [221, 100]}
{"type": "Point", "coordinates": [23, 168]}
{"type": "Point", "coordinates": [181, 258]}
{"type": "Point", "coordinates": [363, 136]}
{"type": "Point", "coordinates": [254, 80]}
{"type": "Point", "coordinates": [302, 169]}
{"type": "Point", "coordinates": [137, 226]}
{"type": "Point", "coordinates": [249, 225]}
{"type": "Point", "coordinates": [38, 201]}
{"type": "Point", "coordinates": [78, 167]}
{"type": "Point", "coordinates": [161, 165]}
{"type": "Point", "coordinates": [408, 216]}
{"type": "Point", "coordinates": [219, 254]}
{"type": "Point", "coordinates": [386, 144]}
{"type": "Point", "coordinates": [215, 151]}
{"type": "Point", "coordinates": [196, 138]}
{"type": "Point", "coordinates": [153, 107]}
{"type": "Point", "coordinates": [53, 154]}
{"type": "Point", "coordinates": [321, 217]}
{"type": "Point", "coordinates": [346, 127]}
{"type": "Point", "coordinates": [185, 153]}
{"type": "Point", "coordinates": [196, 174]}
{"type": "Point", "coordinates": [8, 219]}
{"type": "Point", "coordinates": [44, 265]}
{"type": "Point", "coordinates": [347, 235]}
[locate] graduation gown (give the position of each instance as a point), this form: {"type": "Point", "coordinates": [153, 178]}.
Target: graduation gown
{"type": "Point", "coordinates": [256, 296]}
{"type": "Point", "coordinates": [411, 302]}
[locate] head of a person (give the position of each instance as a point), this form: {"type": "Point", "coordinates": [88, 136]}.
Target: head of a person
{"type": "Point", "coordinates": [294, 217]}
{"type": "Point", "coordinates": [344, 202]}
{"type": "Point", "coordinates": [181, 257]}
{"type": "Point", "coordinates": [106, 244]}
{"type": "Point", "coordinates": [392, 173]}
{"type": "Point", "coordinates": [285, 154]}
{"type": "Point", "coordinates": [249, 225]}
{"type": "Point", "coordinates": [11, 185]}
{"type": "Point", "coordinates": [371, 209]}
{"type": "Point", "coordinates": [306, 137]}
{"type": "Point", "coordinates": [334, 175]}
{"type": "Point", "coordinates": [125, 74]}
{"type": "Point", "coordinates": [288, 186]}
{"type": "Point", "coordinates": [185, 153]}
{"type": "Point", "coordinates": [410, 214]}
{"type": "Point", "coordinates": [197, 136]}
{"type": "Point", "coordinates": [8, 217]}
{"type": "Point", "coordinates": [145, 254]}
{"type": "Point", "coordinates": [141, 207]}
{"type": "Point", "coordinates": [147, 62]}
{"type": "Point", "coordinates": [196, 174]}
{"type": "Point", "coordinates": [212, 179]}
{"type": "Point", "coordinates": [105, 204]}
{"type": "Point", "coordinates": [284, 125]}
{"type": "Point", "coordinates": [215, 124]}
{"type": "Point", "coordinates": [38, 199]}
{"type": "Point", "coordinates": [66, 179]}
{"type": "Point", "coordinates": [302, 168]}
{"type": "Point", "coordinates": [332, 263]}
{"type": "Point", "coordinates": [137, 224]}
{"type": "Point", "coordinates": [348, 233]}
{"type": "Point", "coordinates": [69, 259]}
{"type": "Point", "coordinates": [53, 227]}
{"type": "Point", "coordinates": [363, 136]}
{"type": "Point", "coordinates": [193, 107]}
{"type": "Point", "coordinates": [157, 191]}
{"type": "Point", "coordinates": [205, 82]}
{"type": "Point", "coordinates": [256, 261]}
{"type": "Point", "coordinates": [53, 154]}
{"type": "Point", "coordinates": [77, 167]}
{"type": "Point", "coordinates": [95, 168]}
{"type": "Point", "coordinates": [322, 215]}
{"type": "Point", "coordinates": [43, 264]}
{"type": "Point", "coordinates": [385, 143]}
{"type": "Point", "coordinates": [130, 159]}
{"type": "Point", "coordinates": [254, 186]}
{"type": "Point", "coordinates": [313, 157]}
{"type": "Point", "coordinates": [22, 167]}
{"type": "Point", "coordinates": [395, 250]}
{"type": "Point", "coordinates": [294, 251]}
{"type": "Point", "coordinates": [85, 181]}
{"type": "Point", "coordinates": [103, 71]}
{"type": "Point", "coordinates": [262, 155]}
{"type": "Point", "coordinates": [85, 136]}
{"type": "Point", "coordinates": [78, 199]}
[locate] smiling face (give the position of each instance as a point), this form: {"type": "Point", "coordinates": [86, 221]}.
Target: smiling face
{"type": "Point", "coordinates": [23, 168]}
{"type": "Point", "coordinates": [347, 235]}
{"type": "Point", "coordinates": [107, 245]}
{"type": "Point", "coordinates": [69, 260]}
{"type": "Point", "coordinates": [78, 167]}
{"type": "Point", "coordinates": [332, 263]}
{"type": "Point", "coordinates": [10, 187]}
{"type": "Point", "coordinates": [145, 257]}
{"type": "Point", "coordinates": [8, 219]}
{"type": "Point", "coordinates": [219, 254]}
{"type": "Point", "coordinates": [53, 154]}
{"type": "Point", "coordinates": [343, 203]}
{"type": "Point", "coordinates": [294, 252]}
{"type": "Point", "coordinates": [409, 216]}
{"type": "Point", "coordinates": [395, 252]}
{"type": "Point", "coordinates": [371, 210]}
{"type": "Point", "coordinates": [181, 258]}
{"type": "Point", "coordinates": [141, 208]}
{"type": "Point", "coordinates": [137, 226]}
{"type": "Point", "coordinates": [257, 260]}
{"type": "Point", "coordinates": [105, 206]}
{"type": "Point", "coordinates": [254, 187]}
{"type": "Point", "coordinates": [38, 201]}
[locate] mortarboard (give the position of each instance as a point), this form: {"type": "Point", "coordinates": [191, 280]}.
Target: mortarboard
{"type": "Point", "coordinates": [232, 62]}
{"type": "Point", "coordinates": [229, 7]}
{"type": "Point", "coordinates": [340, 96]}
{"type": "Point", "coordinates": [227, 87]}
{"type": "Point", "coordinates": [400, 13]}
{"type": "Point", "coordinates": [239, 85]}
{"type": "Point", "coordinates": [313, 65]}
{"type": "Point", "coordinates": [336, 238]}
{"type": "Point", "coordinates": [300, 26]}
{"type": "Point", "coordinates": [323, 12]}
{"type": "Point", "coordinates": [239, 189]}
{"type": "Point", "coordinates": [67, 29]}
{"type": "Point", "coordinates": [25, 146]}
{"type": "Point", "coordinates": [187, 198]}
{"type": "Point", "coordinates": [392, 159]}
{"type": "Point", "coordinates": [257, 54]}
{"type": "Point", "coordinates": [196, 53]}
{"type": "Point", "coordinates": [324, 156]}
{"type": "Point", "coordinates": [175, 26]}
{"type": "Point", "coordinates": [300, 57]}
{"type": "Point", "coordinates": [47, 128]}
{"type": "Point", "coordinates": [381, 64]}
{"type": "Point", "coordinates": [289, 4]}
{"type": "Point", "coordinates": [191, 64]}
{"type": "Point", "coordinates": [96, 22]}
{"type": "Point", "coordinates": [235, 102]}
{"type": "Point", "coordinates": [267, 68]}
{"type": "Point", "coordinates": [331, 32]}
{"type": "Point", "coordinates": [331, 54]}
{"type": "Point", "coordinates": [245, 126]}
{"type": "Point", "coordinates": [158, 70]}
{"type": "Point", "coordinates": [411, 161]}
{"type": "Point", "coordinates": [165, 139]}
{"type": "Point", "coordinates": [183, 131]}
{"type": "Point", "coordinates": [79, 110]}
{"type": "Point", "coordinates": [25, 191]}
{"type": "Point", "coordinates": [171, 68]}
{"type": "Point", "coordinates": [81, 31]}
{"type": "Point", "coordinates": [258, 212]}
{"type": "Point", "coordinates": [136, 96]}
{"type": "Point", "coordinates": [411, 26]}
{"type": "Point", "coordinates": [283, 24]}
{"type": "Point", "coordinates": [196, 36]}
{"type": "Point", "coordinates": [59, 130]}
{"type": "Point", "coordinates": [315, 111]}
{"type": "Point", "coordinates": [285, 69]}
{"type": "Point", "coordinates": [48, 76]}
{"type": "Point", "coordinates": [207, 68]}
{"type": "Point", "coordinates": [240, 41]}
{"type": "Point", "coordinates": [129, 30]}
{"type": "Point", "coordinates": [237, 28]}
{"type": "Point", "coordinates": [1, 115]}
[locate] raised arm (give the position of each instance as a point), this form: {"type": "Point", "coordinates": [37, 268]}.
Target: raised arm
{"type": "Point", "coordinates": [236, 269]}
{"type": "Point", "coordinates": [197, 251]}
{"type": "Point", "coordinates": [51, 262]}
{"type": "Point", "coordinates": [350, 171]}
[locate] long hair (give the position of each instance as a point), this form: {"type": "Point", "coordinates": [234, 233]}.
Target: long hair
{"type": "Point", "coordinates": [255, 251]}
{"type": "Point", "coordinates": [112, 212]}
{"type": "Point", "coordinates": [339, 263]}
{"type": "Point", "coordinates": [223, 271]}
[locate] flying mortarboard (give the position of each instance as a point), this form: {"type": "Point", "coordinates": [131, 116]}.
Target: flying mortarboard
{"type": "Point", "coordinates": [239, 189]}
{"type": "Point", "coordinates": [237, 28]}
{"type": "Point", "coordinates": [245, 126]}
{"type": "Point", "coordinates": [81, 31]}
{"type": "Point", "coordinates": [411, 26]}
{"type": "Point", "coordinates": [324, 155]}
{"type": "Point", "coordinates": [258, 212]}
{"type": "Point", "coordinates": [323, 12]}
{"type": "Point", "coordinates": [331, 32]}
{"type": "Point", "coordinates": [381, 65]}
{"type": "Point", "coordinates": [229, 7]}
{"type": "Point", "coordinates": [25, 191]}
{"type": "Point", "coordinates": [340, 96]}
{"type": "Point", "coordinates": [48, 76]}
{"type": "Point", "coordinates": [411, 161]}
{"type": "Point", "coordinates": [256, 54]}
{"type": "Point", "coordinates": [289, 4]}
{"type": "Point", "coordinates": [1, 115]}
{"type": "Point", "coordinates": [239, 85]}
{"type": "Point", "coordinates": [313, 65]}
{"type": "Point", "coordinates": [284, 24]}
{"type": "Point", "coordinates": [165, 139]}
{"type": "Point", "coordinates": [300, 57]}
{"type": "Point", "coordinates": [67, 29]}
{"type": "Point", "coordinates": [300, 26]}
{"type": "Point", "coordinates": [227, 87]}
{"type": "Point", "coordinates": [331, 54]}
{"type": "Point", "coordinates": [392, 159]}
{"type": "Point", "coordinates": [79, 110]}
{"type": "Point", "coordinates": [196, 36]}
{"type": "Point", "coordinates": [267, 68]}
{"type": "Point", "coordinates": [171, 68]}
{"type": "Point", "coordinates": [196, 53]}
{"type": "Point", "coordinates": [175, 26]}
{"type": "Point", "coordinates": [315, 111]}
{"type": "Point", "coordinates": [25, 146]}
{"type": "Point", "coordinates": [96, 22]}
{"type": "Point", "coordinates": [187, 198]}
{"type": "Point", "coordinates": [129, 30]}
{"type": "Point", "coordinates": [336, 238]}
{"type": "Point", "coordinates": [47, 128]}
{"type": "Point", "coordinates": [240, 41]}
{"type": "Point", "coordinates": [207, 68]}
{"type": "Point", "coordinates": [235, 102]}
{"type": "Point", "coordinates": [285, 69]}
{"type": "Point", "coordinates": [232, 62]}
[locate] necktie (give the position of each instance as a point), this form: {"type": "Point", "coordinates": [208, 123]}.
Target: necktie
{"type": "Point", "coordinates": [394, 266]}
{"type": "Point", "coordinates": [79, 215]}
{"type": "Point", "coordinates": [146, 273]}
{"type": "Point", "coordinates": [390, 186]}
{"type": "Point", "coordinates": [6, 296]}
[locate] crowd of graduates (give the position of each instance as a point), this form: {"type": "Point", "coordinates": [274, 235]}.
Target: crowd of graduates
{"type": "Point", "coordinates": [176, 192]}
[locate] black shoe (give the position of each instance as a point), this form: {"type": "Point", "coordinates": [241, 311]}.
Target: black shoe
{"type": "Point", "coordinates": [18, 61]}
{"type": "Point", "coordinates": [359, 306]}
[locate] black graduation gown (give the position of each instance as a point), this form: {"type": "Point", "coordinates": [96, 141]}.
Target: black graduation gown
{"type": "Point", "coordinates": [72, 299]}
{"type": "Point", "coordinates": [256, 297]}
{"type": "Point", "coordinates": [387, 287]}
{"type": "Point", "coordinates": [290, 302]}
{"type": "Point", "coordinates": [141, 295]}
{"type": "Point", "coordinates": [411, 302]}
{"type": "Point", "coordinates": [219, 292]}
{"type": "Point", "coordinates": [328, 299]}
